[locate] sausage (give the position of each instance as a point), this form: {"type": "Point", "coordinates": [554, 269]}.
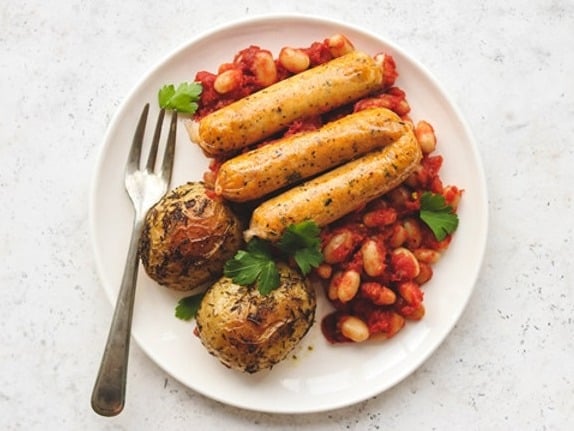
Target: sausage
{"type": "Point", "coordinates": [256, 173]}
{"type": "Point", "coordinates": [336, 193]}
{"type": "Point", "coordinates": [312, 92]}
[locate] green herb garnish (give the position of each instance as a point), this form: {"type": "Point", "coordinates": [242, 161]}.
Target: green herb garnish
{"type": "Point", "coordinates": [437, 215]}
{"type": "Point", "coordinates": [303, 243]}
{"type": "Point", "coordinates": [254, 265]}
{"type": "Point", "coordinates": [257, 264]}
{"type": "Point", "coordinates": [184, 98]}
{"type": "Point", "coordinates": [187, 307]}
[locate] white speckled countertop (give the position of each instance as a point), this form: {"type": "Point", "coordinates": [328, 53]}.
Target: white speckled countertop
{"type": "Point", "coordinates": [66, 66]}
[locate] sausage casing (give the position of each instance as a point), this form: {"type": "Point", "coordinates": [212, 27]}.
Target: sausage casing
{"type": "Point", "coordinates": [314, 91]}
{"type": "Point", "coordinates": [336, 193]}
{"type": "Point", "coordinates": [258, 172]}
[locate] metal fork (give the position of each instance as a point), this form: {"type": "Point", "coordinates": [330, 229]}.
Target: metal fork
{"type": "Point", "coordinates": [145, 187]}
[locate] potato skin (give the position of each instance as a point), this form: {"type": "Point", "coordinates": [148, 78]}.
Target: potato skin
{"type": "Point", "coordinates": [250, 332]}
{"type": "Point", "coordinates": [187, 238]}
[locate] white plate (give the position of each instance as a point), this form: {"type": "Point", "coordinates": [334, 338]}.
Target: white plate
{"type": "Point", "coordinates": [321, 376]}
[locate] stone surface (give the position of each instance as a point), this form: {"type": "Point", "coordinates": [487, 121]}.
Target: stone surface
{"type": "Point", "coordinates": [65, 67]}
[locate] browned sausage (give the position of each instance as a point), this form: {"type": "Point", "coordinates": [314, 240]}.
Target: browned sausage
{"type": "Point", "coordinates": [332, 195]}
{"type": "Point", "coordinates": [256, 173]}
{"type": "Point", "coordinates": [261, 114]}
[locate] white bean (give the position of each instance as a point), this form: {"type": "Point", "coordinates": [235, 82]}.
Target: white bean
{"type": "Point", "coordinates": [348, 285]}
{"type": "Point", "coordinates": [294, 60]}
{"type": "Point", "coordinates": [339, 45]}
{"type": "Point", "coordinates": [264, 68]}
{"type": "Point", "coordinates": [354, 328]}
{"type": "Point", "coordinates": [227, 81]}
{"type": "Point", "coordinates": [373, 258]}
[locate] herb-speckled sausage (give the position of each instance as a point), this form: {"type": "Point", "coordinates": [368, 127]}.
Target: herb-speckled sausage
{"type": "Point", "coordinates": [338, 192]}
{"type": "Point", "coordinates": [259, 115]}
{"type": "Point", "coordinates": [256, 173]}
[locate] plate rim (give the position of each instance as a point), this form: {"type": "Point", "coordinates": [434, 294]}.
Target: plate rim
{"type": "Point", "coordinates": [308, 19]}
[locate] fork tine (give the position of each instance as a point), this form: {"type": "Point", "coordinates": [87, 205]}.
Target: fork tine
{"type": "Point", "coordinates": [136, 148]}
{"type": "Point", "coordinates": [169, 153]}
{"type": "Point", "coordinates": [155, 142]}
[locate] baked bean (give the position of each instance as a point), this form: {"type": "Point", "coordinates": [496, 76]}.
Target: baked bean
{"type": "Point", "coordinates": [294, 60]}
{"type": "Point", "coordinates": [228, 81]}
{"type": "Point", "coordinates": [264, 68]}
{"type": "Point", "coordinates": [377, 293]}
{"type": "Point", "coordinates": [415, 313]}
{"type": "Point", "coordinates": [404, 264]}
{"type": "Point", "coordinates": [384, 324]}
{"type": "Point", "coordinates": [411, 293]}
{"type": "Point", "coordinates": [379, 58]}
{"type": "Point", "coordinates": [380, 217]}
{"type": "Point", "coordinates": [373, 258]}
{"type": "Point", "coordinates": [324, 271]}
{"type": "Point", "coordinates": [354, 328]}
{"type": "Point", "coordinates": [426, 137]}
{"type": "Point", "coordinates": [399, 196]}
{"type": "Point", "coordinates": [333, 290]}
{"type": "Point", "coordinates": [452, 195]}
{"type": "Point", "coordinates": [389, 67]}
{"type": "Point", "coordinates": [410, 311]}
{"type": "Point", "coordinates": [347, 285]}
{"type": "Point", "coordinates": [397, 322]}
{"type": "Point", "coordinates": [339, 45]}
{"type": "Point", "coordinates": [393, 99]}
{"type": "Point", "coordinates": [339, 247]}
{"type": "Point", "coordinates": [226, 66]}
{"type": "Point", "coordinates": [402, 108]}
{"type": "Point", "coordinates": [414, 233]}
{"type": "Point", "coordinates": [425, 274]}
{"type": "Point", "coordinates": [398, 236]}
{"type": "Point", "coordinates": [344, 286]}
{"type": "Point", "coordinates": [426, 255]}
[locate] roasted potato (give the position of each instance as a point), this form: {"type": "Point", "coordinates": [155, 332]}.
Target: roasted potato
{"type": "Point", "coordinates": [248, 331]}
{"type": "Point", "coordinates": [187, 238]}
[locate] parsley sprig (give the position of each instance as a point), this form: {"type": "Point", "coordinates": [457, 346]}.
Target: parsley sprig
{"type": "Point", "coordinates": [187, 307]}
{"type": "Point", "coordinates": [254, 265]}
{"type": "Point", "coordinates": [302, 241]}
{"type": "Point", "coordinates": [437, 215]}
{"type": "Point", "coordinates": [184, 98]}
{"type": "Point", "coordinates": [257, 264]}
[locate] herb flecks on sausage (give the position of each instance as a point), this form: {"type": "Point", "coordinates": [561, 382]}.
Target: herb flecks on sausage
{"type": "Point", "coordinates": [315, 91]}
{"type": "Point", "coordinates": [348, 187]}
{"type": "Point", "coordinates": [283, 162]}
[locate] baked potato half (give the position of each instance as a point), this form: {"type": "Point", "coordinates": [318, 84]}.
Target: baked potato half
{"type": "Point", "coordinates": [250, 332]}
{"type": "Point", "coordinates": [188, 237]}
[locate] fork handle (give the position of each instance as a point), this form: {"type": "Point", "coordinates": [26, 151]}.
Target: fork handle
{"type": "Point", "coordinates": [109, 393]}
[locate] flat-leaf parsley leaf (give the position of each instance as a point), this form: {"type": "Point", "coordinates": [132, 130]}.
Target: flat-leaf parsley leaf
{"type": "Point", "coordinates": [184, 98]}
{"type": "Point", "coordinates": [302, 241]}
{"type": "Point", "coordinates": [254, 265]}
{"type": "Point", "coordinates": [187, 307]}
{"type": "Point", "coordinates": [437, 215]}
{"type": "Point", "coordinates": [257, 264]}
